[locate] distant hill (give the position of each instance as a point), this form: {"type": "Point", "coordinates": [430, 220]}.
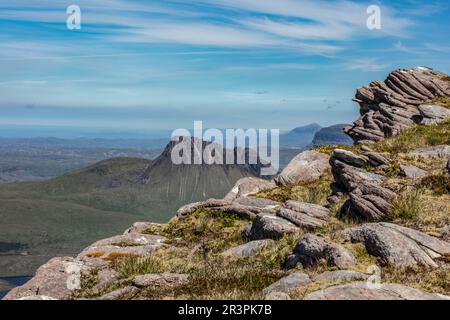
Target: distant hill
{"type": "Point", "coordinates": [299, 137]}
{"type": "Point", "coordinates": [333, 135]}
{"type": "Point", "coordinates": [60, 216]}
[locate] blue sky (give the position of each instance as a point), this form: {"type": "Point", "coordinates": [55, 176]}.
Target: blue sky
{"type": "Point", "coordinates": [157, 65]}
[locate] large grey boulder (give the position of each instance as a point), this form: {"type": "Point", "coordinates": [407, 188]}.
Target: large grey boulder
{"type": "Point", "coordinates": [289, 283]}
{"type": "Point", "coordinates": [441, 151]}
{"type": "Point", "coordinates": [248, 249]}
{"type": "Point", "coordinates": [122, 245]}
{"type": "Point", "coordinates": [401, 101]}
{"type": "Point", "coordinates": [399, 246]}
{"type": "Point", "coordinates": [268, 226]}
{"type": "Point", "coordinates": [300, 219]}
{"type": "Point", "coordinates": [433, 113]}
{"type": "Point", "coordinates": [350, 158]}
{"type": "Point", "coordinates": [311, 249]}
{"type": "Point", "coordinates": [362, 291]}
{"type": "Point", "coordinates": [306, 167]}
{"type": "Point", "coordinates": [57, 279]}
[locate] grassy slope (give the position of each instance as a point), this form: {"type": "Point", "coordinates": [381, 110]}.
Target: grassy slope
{"type": "Point", "coordinates": [198, 240]}
{"type": "Point", "coordinates": [63, 215]}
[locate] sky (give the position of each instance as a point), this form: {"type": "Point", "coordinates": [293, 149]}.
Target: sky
{"type": "Point", "coordinates": [144, 66]}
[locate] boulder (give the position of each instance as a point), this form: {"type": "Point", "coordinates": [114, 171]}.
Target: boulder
{"type": "Point", "coordinates": [412, 172]}
{"type": "Point", "coordinates": [249, 186]}
{"type": "Point", "coordinates": [268, 226]}
{"type": "Point", "coordinates": [248, 249]}
{"type": "Point", "coordinates": [310, 249]}
{"type": "Point", "coordinates": [300, 219]}
{"type": "Point", "coordinates": [368, 199]}
{"type": "Point", "coordinates": [399, 246]}
{"type": "Point", "coordinates": [57, 279]}
{"type": "Point", "coordinates": [442, 151]}
{"type": "Point", "coordinates": [350, 158]}
{"type": "Point", "coordinates": [190, 208]}
{"type": "Point", "coordinates": [361, 291]}
{"type": "Point", "coordinates": [433, 113]}
{"type": "Point", "coordinates": [160, 280]}
{"type": "Point", "coordinates": [312, 210]}
{"type": "Point", "coordinates": [306, 167]}
{"type": "Point", "coordinates": [376, 159]}
{"type": "Point", "coordinates": [289, 283]}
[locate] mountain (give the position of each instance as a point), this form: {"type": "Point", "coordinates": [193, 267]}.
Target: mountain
{"type": "Point", "coordinates": [299, 137]}
{"type": "Point", "coordinates": [333, 135]}
{"type": "Point", "coordinates": [60, 216]}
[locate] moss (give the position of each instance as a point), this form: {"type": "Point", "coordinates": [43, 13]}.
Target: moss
{"type": "Point", "coordinates": [115, 256]}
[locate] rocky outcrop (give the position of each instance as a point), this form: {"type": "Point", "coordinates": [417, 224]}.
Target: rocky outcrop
{"type": "Point", "coordinates": [288, 284]}
{"type": "Point", "coordinates": [249, 186]}
{"type": "Point", "coordinates": [57, 279]}
{"type": "Point", "coordinates": [268, 226]}
{"type": "Point", "coordinates": [399, 246]}
{"type": "Point", "coordinates": [442, 151]}
{"type": "Point", "coordinates": [368, 199]}
{"type": "Point", "coordinates": [310, 249]}
{"type": "Point", "coordinates": [362, 291]}
{"type": "Point", "coordinates": [401, 101]}
{"type": "Point", "coordinates": [305, 167]}
{"type": "Point", "coordinates": [304, 215]}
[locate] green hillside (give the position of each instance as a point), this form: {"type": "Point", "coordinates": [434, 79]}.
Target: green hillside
{"type": "Point", "coordinates": [63, 215]}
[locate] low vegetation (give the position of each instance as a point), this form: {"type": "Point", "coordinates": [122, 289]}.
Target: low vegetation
{"type": "Point", "coordinates": [416, 137]}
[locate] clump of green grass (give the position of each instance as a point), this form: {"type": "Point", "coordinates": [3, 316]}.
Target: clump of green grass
{"type": "Point", "coordinates": [312, 192]}
{"type": "Point", "coordinates": [393, 170]}
{"type": "Point", "coordinates": [408, 204]}
{"type": "Point", "coordinates": [439, 184]}
{"type": "Point", "coordinates": [419, 136]}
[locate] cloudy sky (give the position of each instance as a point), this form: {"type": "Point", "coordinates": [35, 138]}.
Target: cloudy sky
{"type": "Point", "coordinates": [153, 65]}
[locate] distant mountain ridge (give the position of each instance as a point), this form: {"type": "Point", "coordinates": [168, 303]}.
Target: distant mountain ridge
{"type": "Point", "coordinates": [299, 137]}
{"type": "Point", "coordinates": [333, 135]}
